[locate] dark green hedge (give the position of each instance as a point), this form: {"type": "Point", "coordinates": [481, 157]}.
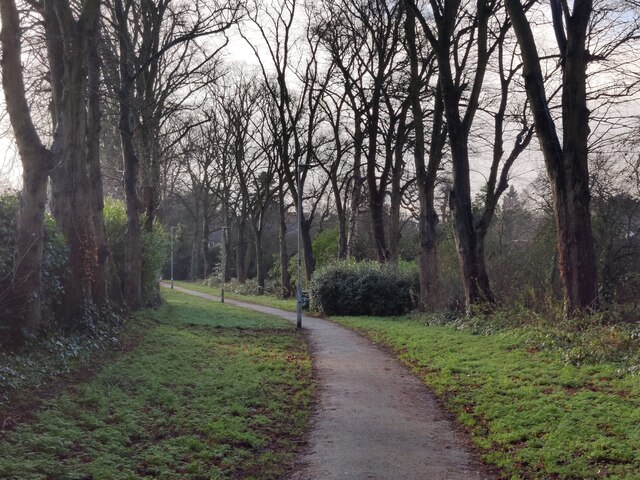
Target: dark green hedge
{"type": "Point", "coordinates": [363, 288]}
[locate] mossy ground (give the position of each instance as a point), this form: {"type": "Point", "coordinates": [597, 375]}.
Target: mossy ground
{"type": "Point", "coordinates": [211, 392]}
{"type": "Point", "coordinates": [529, 412]}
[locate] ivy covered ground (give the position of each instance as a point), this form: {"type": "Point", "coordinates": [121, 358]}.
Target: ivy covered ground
{"type": "Point", "coordinates": [210, 391]}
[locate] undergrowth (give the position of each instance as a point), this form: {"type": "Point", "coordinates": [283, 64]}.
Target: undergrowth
{"type": "Point", "coordinates": [611, 335]}
{"type": "Point", "coordinates": [57, 351]}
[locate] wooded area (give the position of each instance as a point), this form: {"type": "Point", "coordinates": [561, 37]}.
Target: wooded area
{"type": "Point", "coordinates": [403, 126]}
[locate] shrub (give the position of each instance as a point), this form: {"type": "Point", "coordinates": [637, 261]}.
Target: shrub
{"type": "Point", "coordinates": [155, 245]}
{"type": "Point", "coordinates": [363, 288]}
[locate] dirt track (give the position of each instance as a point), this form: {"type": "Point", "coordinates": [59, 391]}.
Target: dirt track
{"type": "Point", "coordinates": [374, 419]}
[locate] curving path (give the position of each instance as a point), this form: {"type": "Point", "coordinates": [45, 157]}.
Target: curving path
{"type": "Point", "coordinates": [374, 419]}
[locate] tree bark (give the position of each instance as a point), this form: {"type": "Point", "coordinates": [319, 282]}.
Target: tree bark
{"type": "Point", "coordinates": [285, 278]}
{"type": "Point", "coordinates": [260, 273]}
{"type": "Point", "coordinates": [342, 219]}
{"type": "Point", "coordinates": [376, 194]}
{"type": "Point", "coordinates": [395, 199]}
{"type": "Point", "coordinates": [475, 286]}
{"type": "Point", "coordinates": [205, 242]}
{"type": "Point", "coordinates": [37, 162]}
{"type": "Point", "coordinates": [132, 271]}
{"type": "Point", "coordinates": [241, 250]}
{"type": "Point", "coordinates": [307, 248]}
{"type": "Point", "coordinates": [356, 190]}
{"type": "Point", "coordinates": [73, 205]}
{"type": "Point", "coordinates": [94, 119]}
{"type": "Point", "coordinates": [566, 163]}
{"type": "Point", "coordinates": [425, 174]}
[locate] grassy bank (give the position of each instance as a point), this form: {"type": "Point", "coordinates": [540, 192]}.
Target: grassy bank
{"type": "Point", "coordinates": [528, 411]}
{"type": "Point", "coordinates": [288, 304]}
{"type": "Point", "coordinates": [210, 392]}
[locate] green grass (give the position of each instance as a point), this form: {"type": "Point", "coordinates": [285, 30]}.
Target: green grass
{"type": "Point", "coordinates": [288, 304]}
{"type": "Point", "coordinates": [211, 392]}
{"type": "Point", "coordinates": [529, 412]}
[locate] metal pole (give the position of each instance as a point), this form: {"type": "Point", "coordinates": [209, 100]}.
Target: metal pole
{"type": "Point", "coordinates": [224, 262]}
{"type": "Point", "coordinates": [172, 235]}
{"type": "Point", "coordinates": [299, 287]}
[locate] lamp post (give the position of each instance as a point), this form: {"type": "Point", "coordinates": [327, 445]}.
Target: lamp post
{"type": "Point", "coordinates": [299, 287]}
{"type": "Point", "coordinates": [173, 229]}
{"type": "Point", "coordinates": [224, 262]}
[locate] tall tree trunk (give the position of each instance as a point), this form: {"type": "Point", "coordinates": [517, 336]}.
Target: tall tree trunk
{"type": "Point", "coordinates": [72, 204]}
{"type": "Point", "coordinates": [578, 261]}
{"type": "Point", "coordinates": [342, 219]}
{"type": "Point", "coordinates": [307, 248]}
{"type": "Point", "coordinates": [475, 285]}
{"type": "Point", "coordinates": [260, 273]}
{"type": "Point", "coordinates": [99, 286]}
{"type": "Point", "coordinates": [396, 186]}
{"type": "Point", "coordinates": [426, 174]}
{"type": "Point", "coordinates": [376, 195]}
{"type": "Point", "coordinates": [567, 164]}
{"type": "Point", "coordinates": [195, 256]}
{"type": "Point", "coordinates": [476, 289]}
{"type": "Point", "coordinates": [241, 250]}
{"type": "Point", "coordinates": [150, 174]}
{"type": "Point", "coordinates": [483, 276]}
{"type": "Point", "coordinates": [394, 225]}
{"type": "Point", "coordinates": [356, 191]}
{"type": "Point", "coordinates": [205, 245]}
{"type": "Point", "coordinates": [132, 271]}
{"type": "Point", "coordinates": [285, 278]}
{"type": "Point", "coordinates": [27, 272]}
{"type": "Point", "coordinates": [37, 162]}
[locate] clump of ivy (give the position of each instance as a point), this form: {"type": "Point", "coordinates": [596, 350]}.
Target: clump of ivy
{"type": "Point", "coordinates": [55, 351]}
{"type": "Point", "coordinates": [54, 265]}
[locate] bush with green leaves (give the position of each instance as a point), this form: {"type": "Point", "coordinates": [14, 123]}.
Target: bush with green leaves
{"type": "Point", "coordinates": [363, 288]}
{"type": "Point", "coordinates": [155, 246]}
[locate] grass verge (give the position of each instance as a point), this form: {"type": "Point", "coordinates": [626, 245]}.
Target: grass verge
{"type": "Point", "coordinates": [530, 413]}
{"type": "Point", "coordinates": [288, 304]}
{"type": "Point", "coordinates": [211, 392]}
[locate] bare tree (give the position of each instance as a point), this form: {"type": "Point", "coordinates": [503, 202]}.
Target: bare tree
{"type": "Point", "coordinates": [156, 52]}
{"type": "Point", "coordinates": [37, 162]}
{"type": "Point", "coordinates": [426, 165]}
{"type": "Point", "coordinates": [72, 161]}
{"type": "Point", "coordinates": [337, 169]}
{"type": "Point", "coordinates": [297, 110]}
{"type": "Point", "coordinates": [364, 40]}
{"type": "Point", "coordinates": [566, 162]}
{"type": "Point", "coordinates": [461, 27]}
